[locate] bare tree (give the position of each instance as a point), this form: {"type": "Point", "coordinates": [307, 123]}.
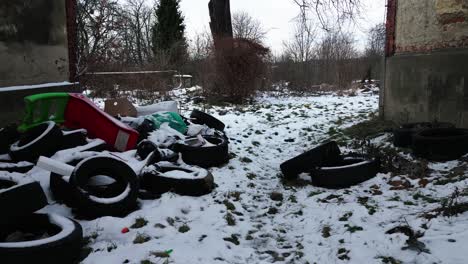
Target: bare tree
{"type": "Point", "coordinates": [374, 52]}
{"type": "Point", "coordinates": [98, 24]}
{"type": "Point", "coordinates": [376, 41]}
{"type": "Point", "coordinates": [336, 53]}
{"type": "Point", "coordinates": [301, 47]}
{"type": "Point", "coordinates": [137, 34]}
{"type": "Point", "coordinates": [201, 46]}
{"type": "Point", "coordinates": [247, 27]}
{"type": "Point", "coordinates": [330, 12]}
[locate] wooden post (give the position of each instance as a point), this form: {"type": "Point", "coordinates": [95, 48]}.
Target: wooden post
{"type": "Point", "coordinates": [221, 24]}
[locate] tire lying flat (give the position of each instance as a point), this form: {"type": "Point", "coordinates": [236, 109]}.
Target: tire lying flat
{"type": "Point", "coordinates": [19, 196]}
{"type": "Point", "coordinates": [206, 156]}
{"type": "Point", "coordinates": [201, 118]}
{"type": "Point", "coordinates": [95, 204]}
{"type": "Point", "coordinates": [181, 179]}
{"type": "Point", "coordinates": [351, 170]}
{"type": "Point", "coordinates": [42, 140]}
{"type": "Point", "coordinates": [403, 136]}
{"type": "Point", "coordinates": [326, 153]}
{"type": "Point", "coordinates": [441, 144]}
{"type": "Point", "coordinates": [63, 244]}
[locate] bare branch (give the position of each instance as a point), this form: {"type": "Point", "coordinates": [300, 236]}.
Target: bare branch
{"type": "Point", "coordinates": [329, 13]}
{"type": "Point", "coordinates": [246, 27]}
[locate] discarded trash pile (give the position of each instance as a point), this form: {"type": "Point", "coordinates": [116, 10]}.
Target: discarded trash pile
{"type": "Point", "coordinates": [432, 141]}
{"type": "Point", "coordinates": [93, 176]}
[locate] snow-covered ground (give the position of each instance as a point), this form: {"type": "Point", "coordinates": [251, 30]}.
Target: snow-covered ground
{"type": "Point", "coordinates": [252, 217]}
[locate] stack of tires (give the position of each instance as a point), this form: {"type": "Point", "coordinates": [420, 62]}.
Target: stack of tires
{"type": "Point", "coordinates": [29, 237]}
{"type": "Point", "coordinates": [210, 150]}
{"type": "Point", "coordinates": [189, 175]}
{"type": "Point", "coordinates": [433, 141]}
{"type": "Point", "coordinates": [98, 186]}
{"type": "Point", "coordinates": [329, 168]}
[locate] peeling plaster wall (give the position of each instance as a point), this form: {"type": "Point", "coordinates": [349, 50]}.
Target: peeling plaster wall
{"type": "Point", "coordinates": [427, 25]}
{"type": "Point", "coordinates": [33, 42]}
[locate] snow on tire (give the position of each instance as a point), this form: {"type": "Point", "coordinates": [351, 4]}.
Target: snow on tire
{"type": "Point", "coordinates": [215, 153]}
{"type": "Point", "coordinates": [181, 179]}
{"type": "Point", "coordinates": [441, 144]}
{"type": "Point", "coordinates": [351, 170]}
{"type": "Point", "coordinates": [42, 140]}
{"type": "Point", "coordinates": [19, 196]}
{"type": "Point", "coordinates": [20, 167]}
{"type": "Point", "coordinates": [40, 238]}
{"type": "Point", "coordinates": [199, 117]}
{"type": "Point", "coordinates": [93, 203]}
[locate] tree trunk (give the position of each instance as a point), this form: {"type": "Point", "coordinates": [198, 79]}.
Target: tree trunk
{"type": "Point", "coordinates": [221, 24]}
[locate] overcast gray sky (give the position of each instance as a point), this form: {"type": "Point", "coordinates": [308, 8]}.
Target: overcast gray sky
{"type": "Point", "coordinates": [277, 17]}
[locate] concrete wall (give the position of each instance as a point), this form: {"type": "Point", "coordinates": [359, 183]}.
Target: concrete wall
{"type": "Point", "coordinates": [427, 78]}
{"type": "Point", "coordinates": [427, 87]}
{"type": "Point", "coordinates": [33, 42]}
{"type": "Point", "coordinates": [423, 26]}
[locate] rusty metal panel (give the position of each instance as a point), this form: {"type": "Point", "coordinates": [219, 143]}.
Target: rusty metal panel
{"type": "Point", "coordinates": [391, 27]}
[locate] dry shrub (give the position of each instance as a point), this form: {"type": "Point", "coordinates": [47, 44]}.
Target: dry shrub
{"type": "Point", "coordinates": [235, 71]}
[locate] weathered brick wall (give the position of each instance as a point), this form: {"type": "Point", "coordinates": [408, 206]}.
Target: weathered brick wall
{"type": "Point", "coordinates": [428, 25]}
{"type": "Point", "coordinates": [33, 42]}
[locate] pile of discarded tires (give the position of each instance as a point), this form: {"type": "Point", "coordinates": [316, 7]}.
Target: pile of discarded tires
{"type": "Point", "coordinates": [432, 141]}
{"type": "Point", "coordinates": [99, 184]}
{"type": "Point", "coordinates": [95, 183]}
{"type": "Point", "coordinates": [329, 168]}
{"type": "Point", "coordinates": [29, 237]}
{"type": "Point", "coordinates": [201, 148]}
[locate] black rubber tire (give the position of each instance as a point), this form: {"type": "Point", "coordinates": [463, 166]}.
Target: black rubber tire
{"type": "Point", "coordinates": [73, 139]}
{"type": "Point", "coordinates": [144, 129]}
{"type": "Point", "coordinates": [147, 195]}
{"type": "Point", "coordinates": [95, 147]}
{"type": "Point", "coordinates": [145, 148]}
{"type": "Point", "coordinates": [206, 157]}
{"type": "Point", "coordinates": [43, 140]}
{"type": "Point", "coordinates": [156, 182]}
{"type": "Point", "coordinates": [8, 135]}
{"type": "Point", "coordinates": [403, 136]}
{"type": "Point", "coordinates": [63, 192]}
{"type": "Point", "coordinates": [199, 117]}
{"type": "Point", "coordinates": [21, 167]}
{"type": "Point", "coordinates": [325, 153]}
{"type": "Point", "coordinates": [441, 144]}
{"type": "Point", "coordinates": [18, 200]}
{"type": "Point", "coordinates": [88, 200]}
{"type": "Point", "coordinates": [351, 170]}
{"type": "Point", "coordinates": [62, 247]}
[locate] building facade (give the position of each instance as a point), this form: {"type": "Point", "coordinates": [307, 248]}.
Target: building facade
{"type": "Point", "coordinates": [37, 51]}
{"type": "Point", "coordinates": [426, 67]}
